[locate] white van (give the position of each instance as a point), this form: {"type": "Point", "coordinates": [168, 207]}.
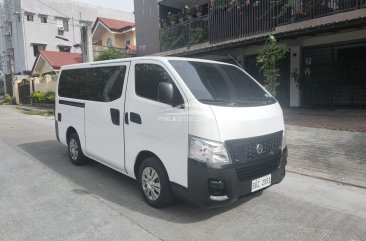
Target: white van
{"type": "Point", "coordinates": [195, 129]}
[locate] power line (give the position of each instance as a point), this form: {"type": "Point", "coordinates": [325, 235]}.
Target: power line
{"type": "Point", "coordinates": [53, 8]}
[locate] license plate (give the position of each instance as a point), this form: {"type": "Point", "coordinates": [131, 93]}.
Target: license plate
{"type": "Point", "coordinates": [261, 182]}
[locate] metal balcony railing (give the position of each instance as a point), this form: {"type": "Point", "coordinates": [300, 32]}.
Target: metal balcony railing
{"type": "Point", "coordinates": [184, 34]}
{"type": "Point", "coordinates": [232, 19]}
{"type": "Point", "coordinates": [300, 10]}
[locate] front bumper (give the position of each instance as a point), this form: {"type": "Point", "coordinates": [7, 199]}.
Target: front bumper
{"type": "Point", "coordinates": [199, 175]}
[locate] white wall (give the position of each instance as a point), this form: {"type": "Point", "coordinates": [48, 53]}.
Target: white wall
{"type": "Point", "coordinates": [295, 55]}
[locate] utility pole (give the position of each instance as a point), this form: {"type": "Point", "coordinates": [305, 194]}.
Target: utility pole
{"type": "Point", "coordinates": [86, 41]}
{"type": "Point", "coordinates": [6, 16]}
{"type": "Point", "coordinates": [2, 49]}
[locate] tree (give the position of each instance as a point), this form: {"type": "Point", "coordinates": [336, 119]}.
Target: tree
{"type": "Point", "coordinates": [267, 59]}
{"type": "Point", "coordinates": [108, 54]}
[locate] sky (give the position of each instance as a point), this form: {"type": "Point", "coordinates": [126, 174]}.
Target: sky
{"type": "Point", "coordinates": [125, 5]}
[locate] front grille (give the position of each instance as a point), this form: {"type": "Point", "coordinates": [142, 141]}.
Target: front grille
{"type": "Point", "coordinates": [253, 163]}
{"type": "Point", "coordinates": [257, 169]}
{"type": "Point", "coordinates": [245, 150]}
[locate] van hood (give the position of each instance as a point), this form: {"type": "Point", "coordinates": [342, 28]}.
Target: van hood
{"type": "Point", "coordinates": [244, 122]}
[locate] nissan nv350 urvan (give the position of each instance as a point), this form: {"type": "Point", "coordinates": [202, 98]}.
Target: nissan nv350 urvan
{"type": "Point", "coordinates": [200, 130]}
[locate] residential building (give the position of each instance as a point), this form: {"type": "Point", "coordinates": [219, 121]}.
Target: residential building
{"type": "Point", "coordinates": [30, 26]}
{"type": "Point", "coordinates": [325, 66]}
{"type": "Point", "coordinates": [115, 33]}
{"type": "Point", "coordinates": [44, 75]}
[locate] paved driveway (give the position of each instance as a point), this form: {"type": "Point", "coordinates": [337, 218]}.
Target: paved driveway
{"type": "Point", "coordinates": [44, 197]}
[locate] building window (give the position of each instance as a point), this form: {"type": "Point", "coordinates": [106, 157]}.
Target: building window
{"type": "Point", "coordinates": [65, 24]}
{"type": "Point", "coordinates": [64, 48]}
{"type": "Point", "coordinates": [37, 48]}
{"type": "Point", "coordinates": [43, 19]}
{"type": "Point", "coordinates": [30, 17]}
{"type": "Point", "coordinates": [109, 42]}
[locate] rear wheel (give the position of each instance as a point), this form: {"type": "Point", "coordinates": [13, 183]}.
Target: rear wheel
{"type": "Point", "coordinates": [75, 153]}
{"type": "Point", "coordinates": [154, 183]}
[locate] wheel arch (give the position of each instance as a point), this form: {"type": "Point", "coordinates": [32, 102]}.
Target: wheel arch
{"type": "Point", "coordinates": [141, 157]}
{"type": "Point", "coordinates": [69, 131]}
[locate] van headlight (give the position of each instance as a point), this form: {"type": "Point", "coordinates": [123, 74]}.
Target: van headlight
{"type": "Point", "coordinates": [284, 144]}
{"type": "Point", "coordinates": [211, 152]}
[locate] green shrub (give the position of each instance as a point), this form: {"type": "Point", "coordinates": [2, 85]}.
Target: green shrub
{"type": "Point", "coordinates": [10, 99]}
{"type": "Point", "coordinates": [43, 97]}
{"type": "Point", "coordinates": [49, 97]}
{"type": "Point", "coordinates": [37, 97]}
{"type": "Point", "coordinates": [110, 53]}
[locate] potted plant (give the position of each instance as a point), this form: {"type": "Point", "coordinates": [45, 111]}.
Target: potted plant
{"type": "Point", "coordinates": [181, 18]}
{"type": "Point", "coordinates": [199, 11]}
{"type": "Point", "coordinates": [164, 22]}
{"type": "Point", "coordinates": [172, 18]}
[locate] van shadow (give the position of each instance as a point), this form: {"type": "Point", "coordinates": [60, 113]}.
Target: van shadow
{"type": "Point", "coordinates": [106, 183]}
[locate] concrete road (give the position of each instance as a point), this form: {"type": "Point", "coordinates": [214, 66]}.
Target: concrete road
{"type": "Point", "coordinates": [44, 197]}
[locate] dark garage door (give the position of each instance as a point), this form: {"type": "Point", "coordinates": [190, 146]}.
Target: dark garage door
{"type": "Point", "coordinates": [334, 76]}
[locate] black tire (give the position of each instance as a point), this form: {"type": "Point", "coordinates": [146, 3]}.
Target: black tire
{"type": "Point", "coordinates": [165, 197]}
{"type": "Point", "coordinates": [75, 153]}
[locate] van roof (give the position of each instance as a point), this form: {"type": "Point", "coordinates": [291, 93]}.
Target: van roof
{"type": "Point", "coordinates": [159, 58]}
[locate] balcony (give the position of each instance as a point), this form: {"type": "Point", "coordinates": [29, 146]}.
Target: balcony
{"type": "Point", "coordinates": [225, 20]}
{"type": "Point", "coordinates": [184, 34]}
{"type": "Point", "coordinates": [301, 10]}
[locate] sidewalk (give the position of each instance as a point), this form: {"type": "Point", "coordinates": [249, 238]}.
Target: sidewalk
{"type": "Point", "coordinates": [338, 119]}
{"type": "Point", "coordinates": [327, 144]}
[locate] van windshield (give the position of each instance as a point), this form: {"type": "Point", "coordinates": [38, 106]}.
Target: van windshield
{"type": "Point", "coordinates": [221, 84]}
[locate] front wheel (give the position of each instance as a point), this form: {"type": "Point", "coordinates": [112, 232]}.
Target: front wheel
{"type": "Point", "coordinates": [154, 183]}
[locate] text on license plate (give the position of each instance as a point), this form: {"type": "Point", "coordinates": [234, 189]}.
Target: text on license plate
{"type": "Point", "coordinates": [261, 182]}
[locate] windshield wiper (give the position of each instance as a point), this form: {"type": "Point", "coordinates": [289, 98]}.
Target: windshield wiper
{"type": "Point", "coordinates": [215, 101]}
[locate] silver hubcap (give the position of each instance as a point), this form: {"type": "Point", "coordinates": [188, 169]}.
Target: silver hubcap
{"type": "Point", "coordinates": [151, 183]}
{"type": "Point", "coordinates": [74, 149]}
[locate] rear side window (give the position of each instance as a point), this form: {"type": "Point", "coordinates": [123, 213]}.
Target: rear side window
{"type": "Point", "coordinates": [148, 77]}
{"type": "Point", "coordinates": [103, 84]}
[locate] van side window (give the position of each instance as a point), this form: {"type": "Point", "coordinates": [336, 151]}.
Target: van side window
{"type": "Point", "coordinates": [147, 79]}
{"type": "Point", "coordinates": [103, 84]}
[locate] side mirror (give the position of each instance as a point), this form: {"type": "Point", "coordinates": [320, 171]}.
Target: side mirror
{"type": "Point", "coordinates": [166, 93]}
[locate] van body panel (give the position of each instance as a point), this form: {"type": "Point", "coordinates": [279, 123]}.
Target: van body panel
{"type": "Point", "coordinates": [163, 129]}
{"type": "Point", "coordinates": [105, 139]}
{"type": "Point", "coordinates": [243, 122]}
{"type": "Point", "coordinates": [202, 122]}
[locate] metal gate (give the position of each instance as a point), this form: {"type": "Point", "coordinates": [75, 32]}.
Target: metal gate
{"type": "Point", "coordinates": [334, 76]}
{"type": "Point", "coordinates": [24, 92]}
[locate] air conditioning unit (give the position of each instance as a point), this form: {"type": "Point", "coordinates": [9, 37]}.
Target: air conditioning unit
{"type": "Point", "coordinates": [61, 29]}
{"type": "Point", "coordinates": [8, 33]}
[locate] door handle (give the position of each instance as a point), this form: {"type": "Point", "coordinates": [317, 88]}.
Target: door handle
{"type": "Point", "coordinates": [136, 118]}
{"type": "Point", "coordinates": [115, 116]}
{"type": "Point", "coordinates": [126, 118]}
